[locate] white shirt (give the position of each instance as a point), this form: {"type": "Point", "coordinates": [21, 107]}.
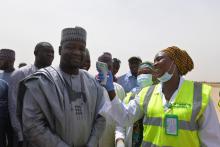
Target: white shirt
{"type": "Point", "coordinates": [209, 128]}
{"type": "Point", "coordinates": [108, 136]}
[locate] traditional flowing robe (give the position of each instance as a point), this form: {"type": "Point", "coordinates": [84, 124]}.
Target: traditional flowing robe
{"type": "Point", "coordinates": [61, 110]}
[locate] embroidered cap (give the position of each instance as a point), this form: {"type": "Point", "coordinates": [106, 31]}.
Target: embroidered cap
{"type": "Point", "coordinates": [71, 34]}
{"type": "Point", "coordinates": [7, 54]}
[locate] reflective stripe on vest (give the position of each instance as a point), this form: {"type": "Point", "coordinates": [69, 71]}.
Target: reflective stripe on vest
{"type": "Point", "coordinates": [157, 121]}
{"type": "Point", "coordinates": [128, 98]}
{"type": "Point", "coordinates": [153, 122]}
{"type": "Point", "coordinates": [149, 144]}
{"type": "Point", "coordinates": [131, 95]}
{"type": "Point", "coordinates": [147, 97]}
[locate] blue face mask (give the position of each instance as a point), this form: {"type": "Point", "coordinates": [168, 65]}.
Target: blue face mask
{"type": "Point", "coordinates": [166, 76]}
{"type": "Point", "coordinates": [144, 80]}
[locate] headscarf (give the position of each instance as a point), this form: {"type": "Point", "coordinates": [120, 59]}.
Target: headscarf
{"type": "Point", "coordinates": [181, 58]}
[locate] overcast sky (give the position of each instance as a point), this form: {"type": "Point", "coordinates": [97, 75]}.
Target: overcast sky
{"type": "Point", "coordinates": [123, 27]}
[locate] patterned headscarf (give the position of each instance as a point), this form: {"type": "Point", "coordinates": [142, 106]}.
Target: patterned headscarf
{"type": "Point", "coordinates": [7, 54]}
{"type": "Point", "coordinates": [181, 58]}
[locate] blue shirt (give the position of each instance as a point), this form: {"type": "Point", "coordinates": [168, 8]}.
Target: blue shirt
{"type": "Point", "coordinates": [6, 76]}
{"type": "Point", "coordinates": [127, 81]}
{"type": "Point", "coordinates": [3, 98]}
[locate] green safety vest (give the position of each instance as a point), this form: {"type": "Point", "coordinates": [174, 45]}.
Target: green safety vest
{"type": "Point", "coordinates": [189, 104]}
{"type": "Point", "coordinates": [129, 96]}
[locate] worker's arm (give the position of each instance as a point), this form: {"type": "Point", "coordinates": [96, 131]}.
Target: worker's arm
{"type": "Point", "coordinates": [122, 114]}
{"type": "Point", "coordinates": [126, 115]}
{"type": "Point", "coordinates": [209, 127]}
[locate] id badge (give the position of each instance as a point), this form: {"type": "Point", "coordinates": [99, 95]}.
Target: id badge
{"type": "Point", "coordinates": [171, 125]}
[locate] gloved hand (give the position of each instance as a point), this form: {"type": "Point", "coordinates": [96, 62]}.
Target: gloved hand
{"type": "Point", "coordinates": [100, 77]}
{"type": "Point", "coordinates": [109, 86]}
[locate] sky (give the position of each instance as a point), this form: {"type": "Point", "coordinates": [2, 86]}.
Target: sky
{"type": "Point", "coordinates": [124, 28]}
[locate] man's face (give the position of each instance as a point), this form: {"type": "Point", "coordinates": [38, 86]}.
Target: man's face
{"type": "Point", "coordinates": [72, 53]}
{"type": "Point", "coordinates": [162, 64]}
{"type": "Point", "coordinates": [134, 67]}
{"type": "Point", "coordinates": [116, 67]}
{"type": "Point", "coordinates": [6, 64]}
{"type": "Point", "coordinates": [45, 56]}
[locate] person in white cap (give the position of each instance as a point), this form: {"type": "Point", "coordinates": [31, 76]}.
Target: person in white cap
{"type": "Point", "coordinates": [59, 106]}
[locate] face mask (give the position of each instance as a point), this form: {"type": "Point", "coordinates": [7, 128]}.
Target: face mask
{"type": "Point", "coordinates": [166, 76]}
{"type": "Point", "coordinates": [144, 80]}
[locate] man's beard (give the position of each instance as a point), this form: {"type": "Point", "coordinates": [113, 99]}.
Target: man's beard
{"type": "Point", "coordinates": [73, 65]}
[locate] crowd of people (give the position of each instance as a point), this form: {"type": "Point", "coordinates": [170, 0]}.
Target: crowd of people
{"type": "Point", "coordinates": [151, 105]}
